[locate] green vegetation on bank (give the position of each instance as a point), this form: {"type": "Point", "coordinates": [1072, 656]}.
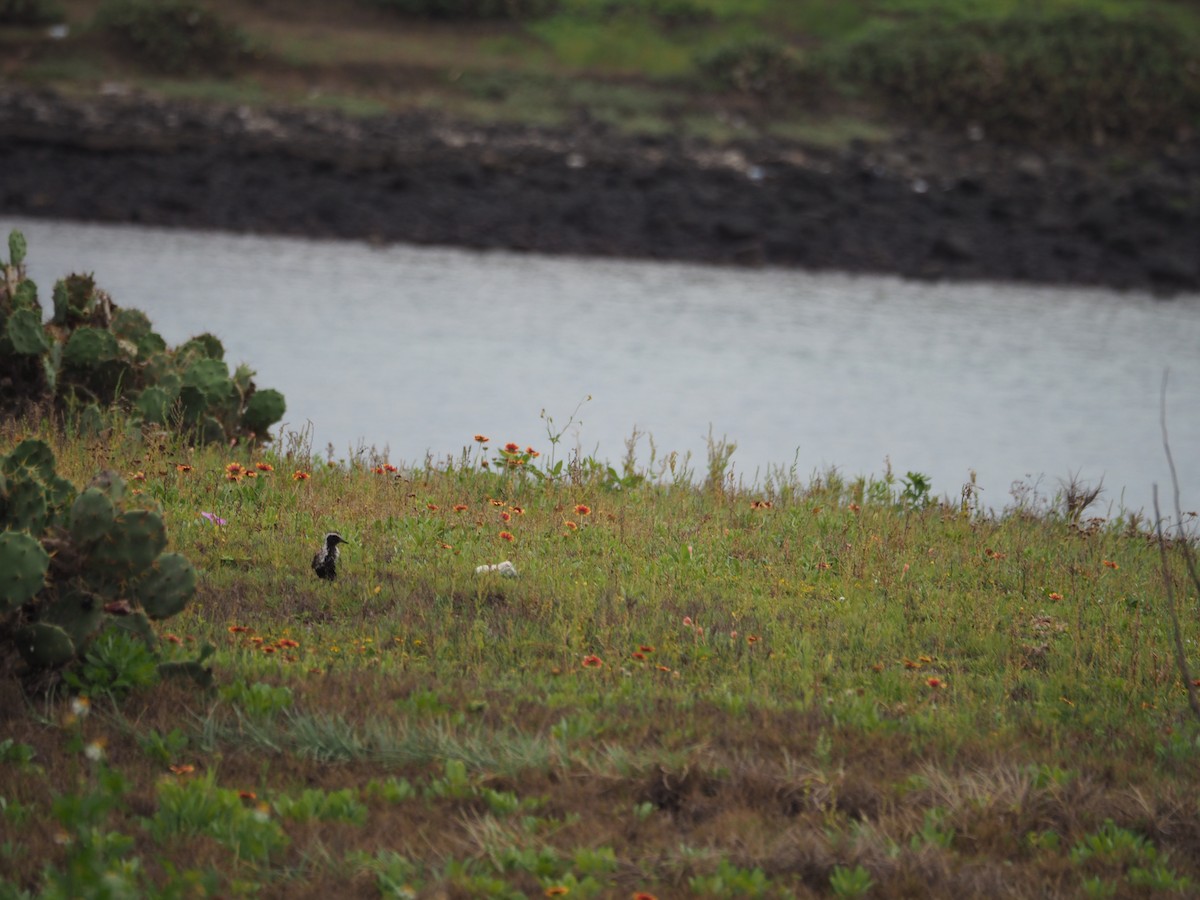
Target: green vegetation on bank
{"type": "Point", "coordinates": [1055, 69]}
{"type": "Point", "coordinates": [691, 688]}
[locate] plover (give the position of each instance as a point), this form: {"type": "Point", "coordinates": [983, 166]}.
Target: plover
{"type": "Point", "coordinates": [325, 562]}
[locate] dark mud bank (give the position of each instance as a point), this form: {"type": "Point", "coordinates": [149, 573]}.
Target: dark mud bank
{"type": "Point", "coordinates": [925, 206]}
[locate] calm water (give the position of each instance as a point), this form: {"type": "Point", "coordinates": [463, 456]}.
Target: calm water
{"type": "Point", "coordinates": [418, 349]}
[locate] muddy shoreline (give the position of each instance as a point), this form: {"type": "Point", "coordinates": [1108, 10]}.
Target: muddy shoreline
{"type": "Point", "coordinates": [924, 206]}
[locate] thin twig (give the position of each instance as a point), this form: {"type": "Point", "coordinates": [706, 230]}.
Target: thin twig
{"type": "Point", "coordinates": [1180, 655]}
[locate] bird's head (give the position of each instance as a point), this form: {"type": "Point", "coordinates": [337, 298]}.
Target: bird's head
{"type": "Point", "coordinates": [333, 539]}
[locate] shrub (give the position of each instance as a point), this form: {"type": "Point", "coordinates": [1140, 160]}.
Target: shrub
{"type": "Point", "coordinates": [756, 66]}
{"type": "Point", "coordinates": [174, 36]}
{"type": "Point", "coordinates": [30, 12]}
{"type": "Point", "coordinates": [1078, 74]}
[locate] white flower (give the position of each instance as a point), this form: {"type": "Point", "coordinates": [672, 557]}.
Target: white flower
{"type": "Point", "coordinates": [80, 706]}
{"type": "Point", "coordinates": [94, 750]}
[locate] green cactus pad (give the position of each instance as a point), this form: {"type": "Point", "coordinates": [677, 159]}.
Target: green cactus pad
{"type": "Point", "coordinates": [25, 297]}
{"type": "Point", "coordinates": [89, 347]}
{"type": "Point", "coordinates": [263, 410]}
{"type": "Point", "coordinates": [25, 507]}
{"type": "Point", "coordinates": [44, 646]}
{"type": "Point", "coordinates": [129, 547]}
{"type": "Point", "coordinates": [157, 367]}
{"type": "Point", "coordinates": [92, 516]}
{"type": "Point", "coordinates": [23, 567]}
{"type": "Point", "coordinates": [149, 344]}
{"type": "Point", "coordinates": [76, 611]}
{"type": "Point", "coordinates": [24, 331]}
{"type": "Point", "coordinates": [60, 494]}
{"type": "Point", "coordinates": [209, 345]}
{"type": "Point", "coordinates": [211, 378]}
{"type": "Point", "coordinates": [155, 405]}
{"type": "Point", "coordinates": [16, 248]}
{"type": "Point", "coordinates": [109, 482]}
{"type": "Point", "coordinates": [167, 587]}
{"type": "Point", "coordinates": [131, 324]}
{"type": "Point", "coordinates": [31, 454]}
{"type": "Point", "coordinates": [138, 625]}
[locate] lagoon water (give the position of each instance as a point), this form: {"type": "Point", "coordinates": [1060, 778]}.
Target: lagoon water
{"type": "Point", "coordinates": [416, 350]}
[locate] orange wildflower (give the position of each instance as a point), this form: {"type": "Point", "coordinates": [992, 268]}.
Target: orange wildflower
{"type": "Point", "coordinates": [557, 890]}
{"type": "Point", "coordinates": [388, 467]}
{"type": "Point", "coordinates": [511, 447]}
{"type": "Point", "coordinates": [433, 507]}
{"type": "Point", "coordinates": [935, 683]}
{"type": "Point", "coordinates": [638, 655]}
{"type": "Point", "coordinates": [1055, 595]}
{"type": "Point", "coordinates": [172, 639]}
{"type": "Point", "coordinates": [532, 453]}
{"type": "Point", "coordinates": [248, 795]}
{"type": "Point", "coordinates": [1111, 564]}
{"type": "Point", "coordinates": [571, 525]}
{"type": "Point", "coordinates": [507, 536]}
{"type": "Point", "coordinates": [854, 507]}
{"type": "Point", "coordinates": [184, 769]}
{"type": "Point", "coordinates": [582, 509]}
{"type": "Point", "coordinates": [287, 642]}
{"type": "Point", "coordinates": [481, 438]}
{"type": "Point", "coordinates": [378, 470]}
{"type": "Point", "coordinates": [519, 510]}
{"type": "Point", "coordinates": [264, 467]}
{"type": "Point", "coordinates": [592, 662]}
{"type": "Point", "coordinates": [505, 517]}
{"type": "Point", "coordinates": [460, 507]}
{"type": "Point", "coordinates": [646, 648]}
{"type": "Point", "coordinates": [300, 475]}
{"type": "Point", "coordinates": [495, 502]}
{"type": "Point", "coordinates": [183, 467]}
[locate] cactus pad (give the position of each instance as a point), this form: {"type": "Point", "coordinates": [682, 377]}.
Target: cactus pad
{"type": "Point", "coordinates": [167, 587]}
{"type": "Point", "coordinates": [75, 611]}
{"type": "Point", "coordinates": [16, 247]}
{"type": "Point", "coordinates": [92, 516]}
{"type": "Point", "coordinates": [155, 405]}
{"type": "Point", "coordinates": [25, 508]}
{"type": "Point", "coordinates": [31, 454]}
{"type": "Point", "coordinates": [23, 566]}
{"type": "Point", "coordinates": [130, 546]}
{"type": "Point", "coordinates": [263, 410]}
{"type": "Point", "coordinates": [74, 298]}
{"type": "Point", "coordinates": [24, 331]}
{"type": "Point", "coordinates": [89, 347]}
{"type": "Point", "coordinates": [111, 483]}
{"type": "Point", "coordinates": [44, 646]}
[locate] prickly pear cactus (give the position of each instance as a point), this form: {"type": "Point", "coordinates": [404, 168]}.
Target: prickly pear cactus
{"type": "Point", "coordinates": [93, 356]}
{"type": "Point", "coordinates": [75, 564]}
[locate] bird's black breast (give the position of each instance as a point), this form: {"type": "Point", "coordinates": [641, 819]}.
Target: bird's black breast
{"type": "Point", "coordinates": [324, 564]}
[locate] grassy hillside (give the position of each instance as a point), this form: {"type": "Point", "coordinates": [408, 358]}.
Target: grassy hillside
{"type": "Point", "coordinates": [822, 687]}
{"type": "Point", "coordinates": [819, 70]}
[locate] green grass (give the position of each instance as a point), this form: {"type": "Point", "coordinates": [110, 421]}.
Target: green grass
{"type": "Point", "coordinates": [695, 688]}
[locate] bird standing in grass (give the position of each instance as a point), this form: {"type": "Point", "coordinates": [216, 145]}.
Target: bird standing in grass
{"type": "Point", "coordinates": [325, 562]}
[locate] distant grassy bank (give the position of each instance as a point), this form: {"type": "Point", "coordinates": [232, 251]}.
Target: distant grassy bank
{"type": "Point", "coordinates": [833, 687]}
{"type": "Point", "coordinates": [823, 70]}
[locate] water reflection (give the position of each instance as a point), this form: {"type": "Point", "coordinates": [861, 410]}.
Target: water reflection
{"type": "Point", "coordinates": [418, 349]}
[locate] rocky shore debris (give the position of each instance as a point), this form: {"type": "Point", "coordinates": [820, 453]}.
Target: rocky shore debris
{"type": "Point", "coordinates": [923, 205]}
